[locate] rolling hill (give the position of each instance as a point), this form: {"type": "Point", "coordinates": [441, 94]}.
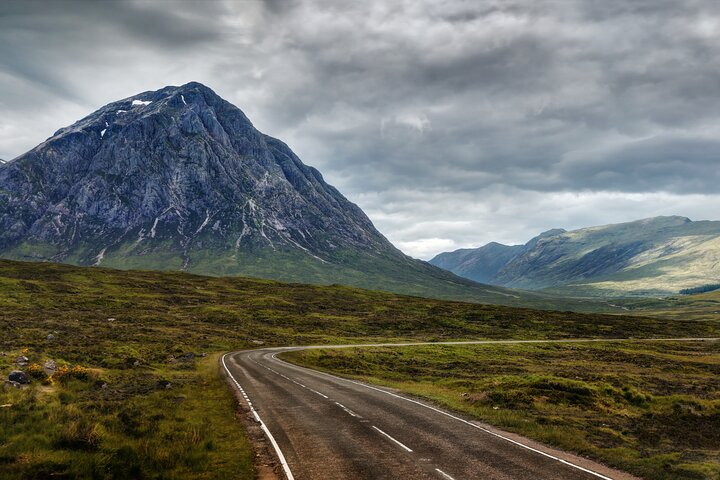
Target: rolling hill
{"type": "Point", "coordinates": [660, 255]}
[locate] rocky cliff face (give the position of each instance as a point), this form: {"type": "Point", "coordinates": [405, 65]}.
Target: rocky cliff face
{"type": "Point", "coordinates": [180, 179]}
{"type": "Point", "coordinates": [166, 174]}
{"type": "Point", "coordinates": [651, 256]}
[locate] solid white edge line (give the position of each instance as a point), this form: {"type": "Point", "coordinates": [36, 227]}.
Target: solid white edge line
{"type": "Point", "coordinates": [403, 446]}
{"type": "Point", "coordinates": [527, 447]}
{"type": "Point", "coordinates": [281, 457]}
{"type": "Point", "coordinates": [445, 475]}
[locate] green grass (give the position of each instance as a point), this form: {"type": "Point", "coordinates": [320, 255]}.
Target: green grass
{"type": "Point", "coordinates": [160, 314]}
{"type": "Point", "coordinates": [133, 427]}
{"type": "Point", "coordinates": [386, 271]}
{"type": "Point", "coordinates": [652, 409]}
{"type": "Point", "coordinates": [699, 307]}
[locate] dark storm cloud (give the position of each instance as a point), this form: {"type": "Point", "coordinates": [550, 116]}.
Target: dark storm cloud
{"type": "Point", "coordinates": [476, 121]}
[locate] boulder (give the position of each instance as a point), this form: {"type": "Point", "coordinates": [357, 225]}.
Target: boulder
{"type": "Point", "coordinates": [19, 377]}
{"type": "Point", "coordinates": [49, 367]}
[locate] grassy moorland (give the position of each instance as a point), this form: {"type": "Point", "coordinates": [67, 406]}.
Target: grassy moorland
{"type": "Point", "coordinates": [125, 333]}
{"type": "Point", "coordinates": [700, 307]}
{"type": "Point", "coordinates": [123, 423]}
{"type": "Point", "coordinates": [649, 408]}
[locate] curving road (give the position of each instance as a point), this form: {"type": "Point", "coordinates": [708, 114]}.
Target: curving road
{"type": "Point", "coordinates": [326, 427]}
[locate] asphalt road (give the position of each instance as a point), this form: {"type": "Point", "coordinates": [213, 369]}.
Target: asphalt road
{"type": "Point", "coordinates": [326, 427]}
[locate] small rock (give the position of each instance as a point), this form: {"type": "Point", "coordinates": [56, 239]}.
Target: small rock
{"type": "Point", "coordinates": [110, 319]}
{"type": "Point", "coordinates": [202, 355]}
{"type": "Point", "coordinates": [13, 384]}
{"type": "Point", "coordinates": [7, 405]}
{"type": "Point", "coordinates": [50, 337]}
{"type": "Point", "coordinates": [101, 385]}
{"type": "Point", "coordinates": [19, 377]}
{"type": "Point", "coordinates": [258, 342]}
{"type": "Point", "coordinates": [186, 357]}
{"type": "Point", "coordinates": [132, 362]}
{"type": "Point", "coordinates": [164, 384]}
{"type": "Point", "coordinates": [22, 361]}
{"type": "Point", "coordinates": [49, 367]}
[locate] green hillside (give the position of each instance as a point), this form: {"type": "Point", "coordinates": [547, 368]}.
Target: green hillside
{"type": "Point", "coordinates": [650, 257]}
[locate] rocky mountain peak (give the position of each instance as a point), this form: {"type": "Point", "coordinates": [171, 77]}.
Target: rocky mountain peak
{"type": "Point", "coordinates": [162, 174]}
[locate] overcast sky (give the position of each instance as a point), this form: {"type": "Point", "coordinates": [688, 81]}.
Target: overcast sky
{"type": "Point", "coordinates": [451, 123]}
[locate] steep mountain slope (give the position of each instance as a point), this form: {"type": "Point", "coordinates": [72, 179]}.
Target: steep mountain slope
{"type": "Point", "coordinates": [479, 264]}
{"type": "Point", "coordinates": [651, 256]}
{"type": "Point", "coordinates": [179, 179]}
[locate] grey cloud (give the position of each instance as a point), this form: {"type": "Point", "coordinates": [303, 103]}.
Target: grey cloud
{"type": "Point", "coordinates": [460, 102]}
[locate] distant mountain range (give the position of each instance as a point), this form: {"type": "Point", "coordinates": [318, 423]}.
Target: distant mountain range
{"type": "Point", "coordinates": [658, 255]}
{"type": "Point", "coordinates": [179, 179]}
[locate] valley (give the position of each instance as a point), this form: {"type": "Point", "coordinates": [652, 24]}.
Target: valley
{"type": "Point", "coordinates": [377, 240]}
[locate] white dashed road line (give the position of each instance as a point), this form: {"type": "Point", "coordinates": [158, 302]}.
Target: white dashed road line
{"type": "Point", "coordinates": [444, 475]}
{"type": "Point", "coordinates": [347, 410]}
{"type": "Point", "coordinates": [489, 432]}
{"type": "Point", "coordinates": [402, 445]}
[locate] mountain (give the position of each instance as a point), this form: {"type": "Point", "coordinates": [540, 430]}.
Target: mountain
{"type": "Point", "coordinates": [484, 263]}
{"type": "Point", "coordinates": [180, 179]}
{"type": "Point", "coordinates": [658, 255]}
{"type": "Point", "coordinates": [479, 264]}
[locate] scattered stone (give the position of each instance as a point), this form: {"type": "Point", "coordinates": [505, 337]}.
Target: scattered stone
{"type": "Point", "coordinates": [49, 367]}
{"type": "Point", "coordinates": [258, 342]}
{"type": "Point", "coordinates": [164, 384]}
{"type": "Point", "coordinates": [19, 377]}
{"type": "Point", "coordinates": [22, 361]}
{"type": "Point", "coordinates": [186, 357]}
{"type": "Point", "coordinates": [132, 362]}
